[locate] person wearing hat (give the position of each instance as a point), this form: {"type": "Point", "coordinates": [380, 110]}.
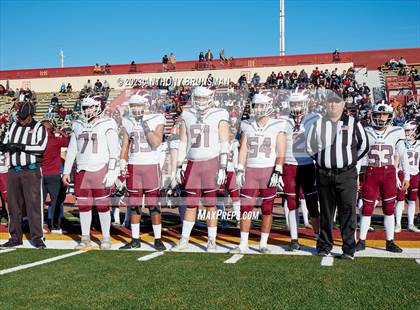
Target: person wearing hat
{"type": "Point", "coordinates": [25, 141]}
{"type": "Point", "coordinates": [336, 142]}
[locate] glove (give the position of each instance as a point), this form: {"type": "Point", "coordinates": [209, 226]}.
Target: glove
{"type": "Point", "coordinates": [110, 177]}
{"type": "Point", "coordinates": [276, 179]}
{"type": "Point", "coordinates": [179, 175]}
{"type": "Point", "coordinates": [123, 168]}
{"type": "Point", "coordinates": [15, 147]}
{"type": "Point", "coordinates": [221, 176]}
{"type": "Point", "coordinates": [240, 176]}
{"type": "Point", "coordinates": [173, 184]}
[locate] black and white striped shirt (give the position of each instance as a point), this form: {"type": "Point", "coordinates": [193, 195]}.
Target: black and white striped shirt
{"type": "Point", "coordinates": [337, 145]}
{"type": "Point", "coordinates": [34, 136]}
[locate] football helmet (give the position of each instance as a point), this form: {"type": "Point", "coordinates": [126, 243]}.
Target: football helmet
{"type": "Point", "coordinates": [138, 105]}
{"type": "Point", "coordinates": [380, 108]}
{"type": "Point", "coordinates": [202, 98]}
{"type": "Point", "coordinates": [92, 107]}
{"type": "Point", "coordinates": [410, 128]}
{"type": "Point", "coordinates": [262, 105]}
{"type": "Point", "coordinates": [298, 102]}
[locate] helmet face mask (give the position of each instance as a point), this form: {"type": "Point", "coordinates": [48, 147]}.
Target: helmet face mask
{"type": "Point", "coordinates": [262, 106]}
{"type": "Point", "coordinates": [410, 130]}
{"type": "Point", "coordinates": [138, 106]}
{"type": "Point", "coordinates": [379, 111]}
{"type": "Point", "coordinates": [298, 108]}
{"type": "Point", "coordinates": [202, 98]}
{"type": "Point", "coordinates": [91, 108]}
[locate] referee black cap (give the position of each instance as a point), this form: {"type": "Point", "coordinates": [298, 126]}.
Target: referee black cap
{"type": "Point", "coordinates": [27, 108]}
{"type": "Point", "coordinates": [334, 96]}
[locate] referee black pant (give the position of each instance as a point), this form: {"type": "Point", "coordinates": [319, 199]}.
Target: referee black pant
{"type": "Point", "coordinates": [24, 191]}
{"type": "Point", "coordinates": [52, 186]}
{"type": "Point", "coordinates": [337, 188]}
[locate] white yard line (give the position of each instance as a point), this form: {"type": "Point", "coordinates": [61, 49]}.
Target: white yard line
{"type": "Point", "coordinates": [41, 262]}
{"type": "Point", "coordinates": [418, 261]}
{"type": "Point", "coordinates": [150, 256]}
{"type": "Point", "coordinates": [7, 250]}
{"type": "Point", "coordinates": [327, 261]}
{"type": "Point", "coordinates": [234, 259]}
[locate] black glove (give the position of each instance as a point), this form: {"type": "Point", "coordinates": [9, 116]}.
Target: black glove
{"type": "Point", "coordinates": [3, 148]}
{"type": "Point", "coordinates": [15, 147]}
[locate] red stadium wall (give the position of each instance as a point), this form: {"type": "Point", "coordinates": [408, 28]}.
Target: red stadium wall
{"type": "Point", "coordinates": [370, 59]}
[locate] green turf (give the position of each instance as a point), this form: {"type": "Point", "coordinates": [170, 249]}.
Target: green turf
{"type": "Point", "coordinates": [26, 256]}
{"type": "Point", "coordinates": [195, 281]}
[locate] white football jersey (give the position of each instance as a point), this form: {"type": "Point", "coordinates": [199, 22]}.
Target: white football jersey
{"type": "Point", "coordinates": [4, 162]}
{"type": "Point", "coordinates": [233, 155]}
{"type": "Point", "coordinates": [262, 142]}
{"type": "Point", "coordinates": [383, 146]}
{"type": "Point", "coordinates": [413, 153]}
{"type": "Point", "coordinates": [203, 133]}
{"type": "Point", "coordinates": [140, 152]}
{"type": "Point", "coordinates": [296, 139]}
{"type": "Point", "coordinates": [92, 146]}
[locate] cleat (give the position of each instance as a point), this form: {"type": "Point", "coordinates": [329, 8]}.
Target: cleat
{"type": "Point", "coordinates": [159, 245]}
{"type": "Point", "coordinates": [307, 225]}
{"type": "Point", "coordinates": [371, 228]}
{"type": "Point", "coordinates": [323, 253]}
{"type": "Point", "coordinates": [39, 244]}
{"type": "Point", "coordinates": [239, 250]}
{"type": "Point", "coordinates": [397, 229]}
{"type": "Point", "coordinates": [361, 245]}
{"type": "Point", "coordinates": [134, 244]}
{"type": "Point", "coordinates": [106, 243]}
{"type": "Point", "coordinates": [392, 247]}
{"type": "Point", "coordinates": [294, 245]}
{"type": "Point", "coordinates": [413, 228]}
{"type": "Point", "coordinates": [345, 256]}
{"type": "Point", "coordinates": [211, 246]}
{"type": "Point", "coordinates": [265, 250]}
{"type": "Point", "coordinates": [11, 244]}
{"type": "Point", "coordinates": [84, 243]}
{"type": "Point", "coordinates": [182, 245]}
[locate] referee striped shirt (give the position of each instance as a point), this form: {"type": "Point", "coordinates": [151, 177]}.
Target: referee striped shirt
{"type": "Point", "coordinates": [337, 145]}
{"type": "Point", "coordinates": [33, 136]}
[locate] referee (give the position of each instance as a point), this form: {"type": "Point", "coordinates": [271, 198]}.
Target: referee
{"type": "Point", "coordinates": [336, 142]}
{"type": "Point", "coordinates": [26, 141]}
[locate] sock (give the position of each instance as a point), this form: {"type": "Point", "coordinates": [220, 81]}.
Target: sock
{"type": "Point", "coordinates": [293, 224]}
{"type": "Point", "coordinates": [359, 205]}
{"type": "Point", "coordinates": [411, 212]}
{"type": "Point", "coordinates": [364, 227]}
{"type": "Point", "coordinates": [304, 211]}
{"type": "Point", "coordinates": [117, 215]}
{"type": "Point", "coordinates": [212, 232]}
{"type": "Point", "coordinates": [127, 215]}
{"type": "Point", "coordinates": [237, 209]}
{"type": "Point", "coordinates": [105, 219]}
{"type": "Point", "coordinates": [135, 231]}
{"type": "Point", "coordinates": [389, 223]}
{"type": "Point", "coordinates": [244, 239]}
{"type": "Point", "coordinates": [286, 213]}
{"type": "Point", "coordinates": [263, 240]}
{"type": "Point", "coordinates": [157, 229]}
{"type": "Point", "coordinates": [399, 207]}
{"type": "Point", "coordinates": [187, 227]}
{"type": "Point", "coordinates": [85, 221]}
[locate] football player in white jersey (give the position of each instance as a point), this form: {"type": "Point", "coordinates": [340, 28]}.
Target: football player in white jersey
{"type": "Point", "coordinates": [413, 152]}
{"type": "Point", "coordinates": [260, 167]}
{"type": "Point", "coordinates": [386, 152]}
{"type": "Point", "coordinates": [94, 146]}
{"type": "Point", "coordinates": [143, 136]}
{"type": "Point", "coordinates": [299, 169]}
{"type": "Point", "coordinates": [204, 141]}
{"type": "Point", "coordinates": [4, 173]}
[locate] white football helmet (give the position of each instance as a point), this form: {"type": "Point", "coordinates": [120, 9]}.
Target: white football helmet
{"type": "Point", "coordinates": [92, 107]}
{"type": "Point", "coordinates": [382, 108]}
{"type": "Point", "coordinates": [410, 128]}
{"type": "Point", "coordinates": [298, 102]}
{"type": "Point", "coordinates": [202, 98]}
{"type": "Point", "coordinates": [262, 105]}
{"type": "Point", "coordinates": [138, 105]}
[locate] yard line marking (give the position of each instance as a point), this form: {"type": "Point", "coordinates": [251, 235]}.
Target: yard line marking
{"type": "Point", "coordinates": [7, 250]}
{"type": "Point", "coordinates": [418, 261]}
{"type": "Point", "coordinates": [150, 256]}
{"type": "Point", "coordinates": [327, 261]}
{"type": "Point", "coordinates": [234, 259]}
{"type": "Point", "coordinates": [41, 262]}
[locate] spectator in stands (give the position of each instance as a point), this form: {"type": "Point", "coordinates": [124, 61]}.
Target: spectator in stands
{"type": "Point", "coordinates": [133, 67]}
{"type": "Point", "coordinates": [107, 68]}
{"type": "Point", "coordinates": [336, 55]}
{"type": "Point", "coordinates": [165, 63]}
{"type": "Point", "coordinates": [53, 103]}
{"type": "Point", "coordinates": [97, 69]}
{"type": "Point", "coordinates": [365, 89]}
{"type": "Point", "coordinates": [403, 71]}
{"type": "Point", "coordinates": [69, 88]}
{"type": "Point", "coordinates": [256, 79]}
{"type": "Point", "coordinates": [63, 88]}
{"type": "Point", "coordinates": [393, 64]}
{"type": "Point", "coordinates": [222, 57]}
{"type": "Point", "coordinates": [399, 117]}
{"type": "Point", "coordinates": [201, 57]}
{"type": "Point", "coordinates": [62, 111]}
{"type": "Point", "coordinates": [105, 85]}
{"type": "Point", "coordinates": [209, 57]}
{"type": "Point", "coordinates": [280, 80]}
{"type": "Point", "coordinates": [2, 89]}
{"type": "Point", "coordinates": [303, 78]}
{"type": "Point", "coordinates": [242, 80]}
{"type": "Point", "coordinates": [88, 86]}
{"type": "Point", "coordinates": [402, 62]}
{"type": "Point", "coordinates": [98, 86]}
{"type": "Point", "coordinates": [172, 61]}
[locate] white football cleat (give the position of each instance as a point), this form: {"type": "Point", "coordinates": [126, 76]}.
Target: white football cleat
{"type": "Point", "coordinates": [211, 246]}
{"type": "Point", "coordinates": [397, 229]}
{"type": "Point", "coordinates": [413, 228]}
{"type": "Point", "coordinates": [181, 246]}
{"type": "Point", "coordinates": [265, 250]}
{"type": "Point", "coordinates": [106, 243]}
{"type": "Point", "coordinates": [84, 243]}
{"type": "Point", "coordinates": [239, 250]}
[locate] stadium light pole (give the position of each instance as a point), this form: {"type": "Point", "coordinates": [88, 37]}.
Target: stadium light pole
{"type": "Point", "coordinates": [62, 58]}
{"type": "Point", "coordinates": [282, 38]}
